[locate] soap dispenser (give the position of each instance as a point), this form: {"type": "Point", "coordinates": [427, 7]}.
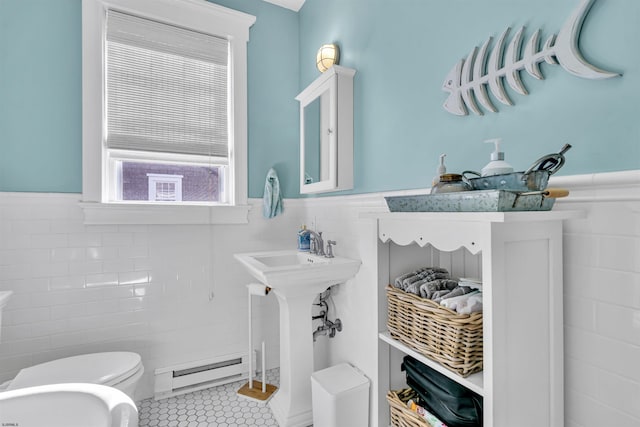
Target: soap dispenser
{"type": "Point", "coordinates": [497, 165]}
{"type": "Point", "coordinates": [442, 169]}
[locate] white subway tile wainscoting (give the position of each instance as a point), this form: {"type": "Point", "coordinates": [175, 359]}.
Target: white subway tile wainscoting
{"type": "Point", "coordinates": [174, 293]}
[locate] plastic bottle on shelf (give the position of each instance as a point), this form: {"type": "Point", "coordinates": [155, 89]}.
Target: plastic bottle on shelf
{"type": "Point", "coordinates": [497, 165]}
{"type": "Point", "coordinates": [442, 169]}
{"type": "Point", "coordinates": [449, 183]}
{"type": "Point", "coordinates": [304, 239]}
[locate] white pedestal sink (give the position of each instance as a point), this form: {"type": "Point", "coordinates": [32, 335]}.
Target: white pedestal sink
{"type": "Point", "coordinates": [296, 278]}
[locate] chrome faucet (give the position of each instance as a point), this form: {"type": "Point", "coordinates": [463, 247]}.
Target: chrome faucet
{"type": "Point", "coordinates": [317, 244]}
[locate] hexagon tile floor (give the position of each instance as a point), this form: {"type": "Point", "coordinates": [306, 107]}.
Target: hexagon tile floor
{"type": "Point", "coordinates": [214, 407]}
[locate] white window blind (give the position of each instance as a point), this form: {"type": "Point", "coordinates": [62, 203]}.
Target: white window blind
{"type": "Point", "coordinates": [166, 88]}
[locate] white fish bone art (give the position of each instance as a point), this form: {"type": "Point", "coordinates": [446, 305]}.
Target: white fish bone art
{"type": "Point", "coordinates": [467, 81]}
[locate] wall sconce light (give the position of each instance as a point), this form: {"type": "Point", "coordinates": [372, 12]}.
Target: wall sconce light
{"type": "Point", "coordinates": [328, 55]}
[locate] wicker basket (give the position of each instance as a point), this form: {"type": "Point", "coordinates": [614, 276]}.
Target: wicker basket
{"type": "Point", "coordinates": [454, 340]}
{"type": "Point", "coordinates": [401, 416]}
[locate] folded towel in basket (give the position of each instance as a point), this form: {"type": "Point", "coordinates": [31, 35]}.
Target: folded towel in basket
{"type": "Point", "coordinates": [429, 288]}
{"type": "Point", "coordinates": [456, 292]}
{"type": "Point", "coordinates": [413, 287]}
{"type": "Point", "coordinates": [428, 275]}
{"type": "Point", "coordinates": [473, 304]}
{"type": "Point", "coordinates": [438, 295]}
{"type": "Point", "coordinates": [398, 280]}
{"type": "Point", "coordinates": [401, 282]}
{"type": "Point", "coordinates": [472, 283]}
{"type": "Point", "coordinates": [453, 302]}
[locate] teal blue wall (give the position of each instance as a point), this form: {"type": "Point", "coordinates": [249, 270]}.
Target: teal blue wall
{"type": "Point", "coordinates": [273, 83]}
{"type": "Point", "coordinates": [41, 95]}
{"type": "Point", "coordinates": [402, 51]}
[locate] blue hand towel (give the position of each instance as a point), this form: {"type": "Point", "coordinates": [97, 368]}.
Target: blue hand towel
{"type": "Point", "coordinates": [272, 200]}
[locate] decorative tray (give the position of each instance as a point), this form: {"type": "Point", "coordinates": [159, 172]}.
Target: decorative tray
{"type": "Point", "coordinates": [516, 181]}
{"type": "Point", "coordinates": [472, 201]}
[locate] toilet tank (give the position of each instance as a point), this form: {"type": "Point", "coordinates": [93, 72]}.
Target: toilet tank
{"type": "Point", "coordinates": [340, 396]}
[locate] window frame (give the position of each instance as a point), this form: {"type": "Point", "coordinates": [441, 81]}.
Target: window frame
{"type": "Point", "coordinates": [198, 15]}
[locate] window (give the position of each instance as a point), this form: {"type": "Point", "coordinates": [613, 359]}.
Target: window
{"type": "Point", "coordinates": [164, 188]}
{"type": "Point", "coordinates": [164, 94]}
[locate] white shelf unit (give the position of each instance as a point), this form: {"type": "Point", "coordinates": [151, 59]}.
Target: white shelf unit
{"type": "Point", "coordinates": [518, 256]}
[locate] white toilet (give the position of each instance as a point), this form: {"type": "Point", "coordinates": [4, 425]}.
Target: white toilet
{"type": "Point", "coordinates": [121, 370]}
{"type": "Point", "coordinates": [68, 405]}
{"type": "Point", "coordinates": [75, 391]}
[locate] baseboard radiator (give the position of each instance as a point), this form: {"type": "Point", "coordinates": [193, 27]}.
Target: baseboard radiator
{"type": "Point", "coordinates": [201, 374]}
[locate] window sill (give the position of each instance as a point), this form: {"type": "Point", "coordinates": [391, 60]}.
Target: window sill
{"type": "Point", "coordinates": [112, 213]}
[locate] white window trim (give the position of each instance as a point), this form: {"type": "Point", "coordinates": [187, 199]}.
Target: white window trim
{"type": "Point", "coordinates": [199, 15]}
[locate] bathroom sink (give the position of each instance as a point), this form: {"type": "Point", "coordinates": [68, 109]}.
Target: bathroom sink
{"type": "Point", "coordinates": [296, 279]}
{"type": "Point", "coordinates": [290, 271]}
{"type": "Point", "coordinates": [287, 258]}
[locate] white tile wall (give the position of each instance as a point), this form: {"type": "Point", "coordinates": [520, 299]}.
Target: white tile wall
{"type": "Point", "coordinates": [602, 315]}
{"type": "Point", "coordinates": [602, 300]}
{"type": "Point", "coordinates": [80, 289]}
{"type": "Point", "coordinates": [146, 288]}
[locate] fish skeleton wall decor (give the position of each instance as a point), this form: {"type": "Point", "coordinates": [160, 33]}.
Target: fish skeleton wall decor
{"type": "Point", "coordinates": [467, 81]}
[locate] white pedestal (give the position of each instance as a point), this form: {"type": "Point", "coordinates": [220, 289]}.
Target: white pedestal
{"type": "Point", "coordinates": [291, 405]}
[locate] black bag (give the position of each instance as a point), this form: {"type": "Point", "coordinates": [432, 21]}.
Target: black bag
{"type": "Point", "coordinates": [454, 404]}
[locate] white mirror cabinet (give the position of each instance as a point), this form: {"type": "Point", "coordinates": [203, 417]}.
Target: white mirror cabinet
{"type": "Point", "coordinates": [326, 132]}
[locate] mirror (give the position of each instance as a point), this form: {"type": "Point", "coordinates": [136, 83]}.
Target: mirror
{"type": "Point", "coordinates": [326, 132]}
{"type": "Point", "coordinates": [316, 142]}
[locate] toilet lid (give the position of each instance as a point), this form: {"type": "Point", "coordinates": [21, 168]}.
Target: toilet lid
{"type": "Point", "coordinates": [97, 368]}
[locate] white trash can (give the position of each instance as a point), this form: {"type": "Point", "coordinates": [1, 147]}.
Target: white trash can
{"type": "Point", "coordinates": [340, 396]}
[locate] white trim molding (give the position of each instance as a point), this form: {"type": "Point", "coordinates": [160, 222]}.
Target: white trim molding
{"type": "Point", "coordinates": [617, 186]}
{"type": "Point", "coordinates": [114, 213]}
